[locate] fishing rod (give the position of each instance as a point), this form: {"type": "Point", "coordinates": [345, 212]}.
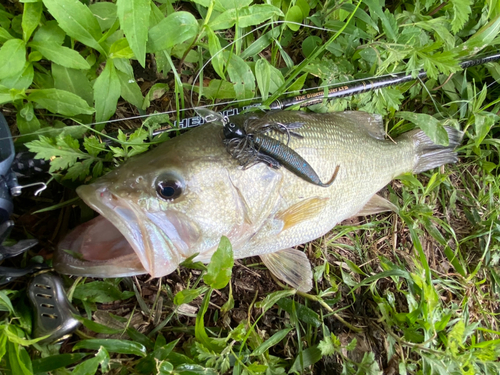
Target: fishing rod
{"type": "Point", "coordinates": [337, 92]}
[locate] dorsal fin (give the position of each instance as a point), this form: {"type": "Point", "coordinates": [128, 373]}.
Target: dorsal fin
{"type": "Point", "coordinates": [372, 123]}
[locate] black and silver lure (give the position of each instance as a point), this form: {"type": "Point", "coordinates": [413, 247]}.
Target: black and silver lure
{"type": "Point", "coordinates": [250, 146]}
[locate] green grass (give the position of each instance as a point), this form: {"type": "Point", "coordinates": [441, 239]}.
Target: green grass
{"type": "Point", "coordinates": [409, 293]}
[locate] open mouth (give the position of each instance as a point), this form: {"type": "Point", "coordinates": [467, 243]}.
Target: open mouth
{"type": "Point", "coordinates": [119, 242]}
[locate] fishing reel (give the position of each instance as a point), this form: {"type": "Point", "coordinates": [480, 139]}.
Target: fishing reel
{"type": "Point", "coordinates": [54, 316]}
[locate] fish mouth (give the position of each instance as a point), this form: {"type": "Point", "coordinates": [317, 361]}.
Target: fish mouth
{"type": "Point", "coordinates": [123, 241]}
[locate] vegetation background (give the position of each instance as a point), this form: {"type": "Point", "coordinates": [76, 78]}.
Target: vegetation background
{"type": "Point", "coordinates": [408, 293]}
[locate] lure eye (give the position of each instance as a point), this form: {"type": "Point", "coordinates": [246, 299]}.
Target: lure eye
{"type": "Point", "coordinates": [233, 131]}
{"type": "Point", "coordinates": [169, 188]}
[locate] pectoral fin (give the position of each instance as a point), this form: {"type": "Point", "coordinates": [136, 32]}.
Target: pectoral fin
{"type": "Point", "coordinates": [291, 266]}
{"type": "Point", "coordinates": [376, 205]}
{"type": "Point", "coordinates": [301, 211]}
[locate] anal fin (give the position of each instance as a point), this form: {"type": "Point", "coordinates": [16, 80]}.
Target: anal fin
{"type": "Point", "coordinates": [291, 266]}
{"type": "Point", "coordinates": [375, 205]}
{"type": "Point", "coordinates": [301, 211]}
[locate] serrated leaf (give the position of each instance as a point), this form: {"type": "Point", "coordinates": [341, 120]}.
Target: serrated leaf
{"type": "Point", "coordinates": [60, 101]}
{"type": "Point", "coordinates": [32, 14]}
{"type": "Point", "coordinates": [134, 21]}
{"type": "Point", "coordinates": [61, 55]}
{"type": "Point", "coordinates": [77, 21]}
{"type": "Point", "coordinates": [175, 29]}
{"type": "Point", "coordinates": [220, 268]}
{"type": "Point", "coordinates": [461, 11]}
{"type": "Point", "coordinates": [93, 146]}
{"type": "Point", "coordinates": [249, 16]}
{"type": "Point", "coordinates": [12, 58]}
{"type": "Point", "coordinates": [107, 90]}
{"type": "Point", "coordinates": [79, 170]}
{"type": "Point", "coordinates": [113, 346]}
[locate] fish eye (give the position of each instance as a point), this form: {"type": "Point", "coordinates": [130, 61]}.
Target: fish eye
{"type": "Point", "coordinates": [169, 188]}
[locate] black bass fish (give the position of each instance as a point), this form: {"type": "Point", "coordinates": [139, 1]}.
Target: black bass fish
{"type": "Point", "coordinates": [177, 200]}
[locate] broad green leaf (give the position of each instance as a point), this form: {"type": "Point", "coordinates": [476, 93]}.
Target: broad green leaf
{"type": "Point", "coordinates": [304, 313]}
{"type": "Point", "coordinates": [130, 90]}
{"type": "Point", "coordinates": [175, 29]}
{"type": "Point", "coordinates": [101, 292]}
{"type": "Point", "coordinates": [263, 76]}
{"type": "Point", "coordinates": [482, 125]}
{"type": "Point", "coordinates": [105, 14]}
{"type": "Point", "coordinates": [187, 295]}
{"type": "Point", "coordinates": [60, 101]}
{"type": "Point", "coordinates": [134, 21]}
{"type": "Point", "coordinates": [56, 361]}
{"type": "Point", "coordinates": [310, 44]}
{"type": "Point", "coordinates": [77, 21]}
{"type": "Point", "coordinates": [216, 52]}
{"type": "Point", "coordinates": [32, 14]}
{"type": "Point", "coordinates": [249, 16]}
{"type": "Point", "coordinates": [113, 346]}
{"type": "Point", "coordinates": [5, 303]}
{"type": "Point", "coordinates": [155, 92]}
{"type": "Point", "coordinates": [50, 32]}
{"type": "Point", "coordinates": [241, 75]}
{"type": "Point", "coordinates": [12, 58]}
{"type": "Point", "coordinates": [22, 80]}
{"type": "Point", "coordinates": [8, 95]}
{"type": "Point", "coordinates": [274, 297]}
{"type": "Point", "coordinates": [480, 40]}
{"type": "Point", "coordinates": [89, 367]}
{"type": "Point", "coordinates": [293, 17]}
{"type": "Point", "coordinates": [98, 327]}
{"type": "Point", "coordinates": [61, 55]}
{"type": "Point", "coordinates": [107, 90]}
{"type": "Point", "coordinates": [217, 89]}
{"type": "Point", "coordinates": [72, 80]}
{"type": "Point", "coordinates": [306, 358]}
{"type": "Point", "coordinates": [4, 35]}
{"type": "Point", "coordinates": [271, 341]}
{"type": "Point", "coordinates": [222, 5]}
{"type": "Point", "coordinates": [18, 360]}
{"type": "Point", "coordinates": [27, 125]}
{"type": "Point", "coordinates": [121, 50]}
{"type": "Point", "coordinates": [430, 125]}
{"type": "Point", "coordinates": [220, 268]}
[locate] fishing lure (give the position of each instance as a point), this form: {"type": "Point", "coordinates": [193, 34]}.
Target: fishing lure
{"type": "Point", "coordinates": [250, 146]}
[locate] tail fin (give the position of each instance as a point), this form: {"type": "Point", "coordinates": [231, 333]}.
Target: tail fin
{"type": "Point", "coordinates": [430, 155]}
